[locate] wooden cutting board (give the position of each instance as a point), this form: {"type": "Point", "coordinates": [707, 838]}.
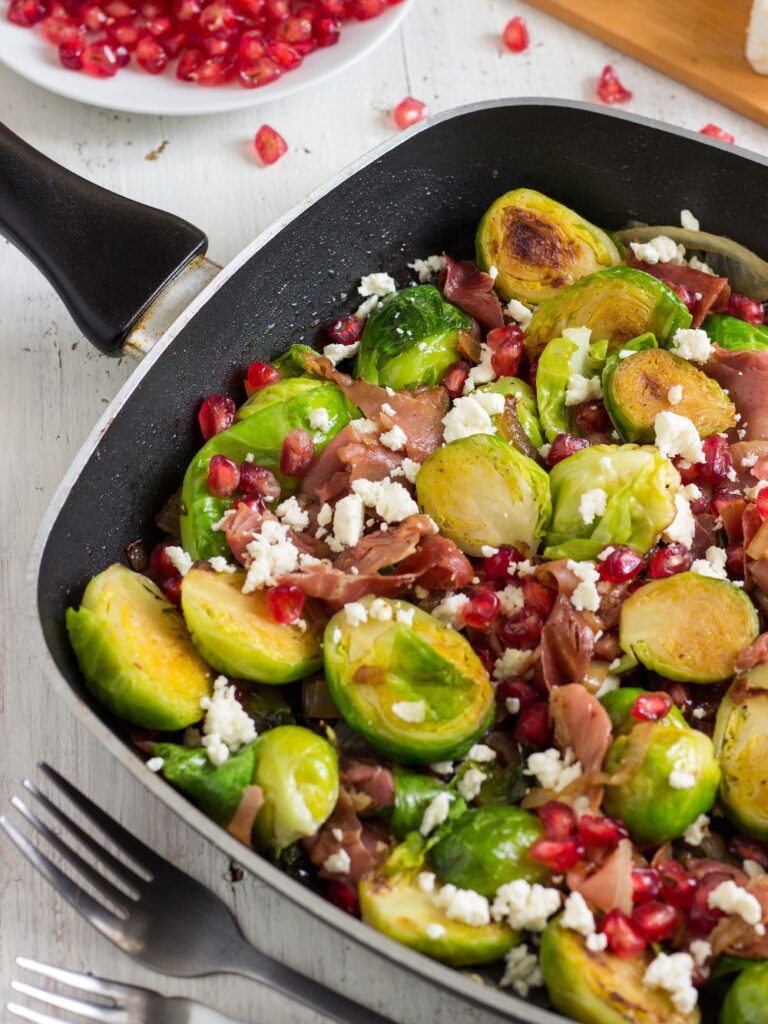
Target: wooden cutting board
{"type": "Point", "coordinates": [698, 42]}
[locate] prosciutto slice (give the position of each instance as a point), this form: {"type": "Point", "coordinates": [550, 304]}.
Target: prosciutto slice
{"type": "Point", "coordinates": [733, 935]}
{"type": "Point", "coordinates": [744, 375]}
{"type": "Point", "coordinates": [567, 642]}
{"type": "Point", "coordinates": [472, 290]}
{"type": "Point", "coordinates": [364, 846]}
{"type": "Point", "coordinates": [581, 723]}
{"type": "Point", "coordinates": [375, 551]}
{"type": "Point", "coordinates": [371, 782]}
{"type": "Point", "coordinates": [241, 825]}
{"type": "Point", "coordinates": [351, 455]}
{"type": "Point", "coordinates": [713, 291]}
{"type": "Point", "coordinates": [610, 886]}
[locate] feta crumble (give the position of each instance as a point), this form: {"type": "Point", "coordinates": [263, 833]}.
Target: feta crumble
{"type": "Point", "coordinates": [752, 869]}
{"type": "Point", "coordinates": [320, 419]}
{"type": "Point", "coordinates": [695, 834]}
{"type": "Point", "coordinates": [696, 264]}
{"type": "Point", "coordinates": [592, 504]}
{"type": "Point", "coordinates": [521, 970]}
{"type": "Point", "coordinates": [511, 599]}
{"type": "Point", "coordinates": [675, 394]}
{"type": "Point", "coordinates": [449, 610]}
{"type": "Point", "coordinates": [442, 767]}
{"type": "Point", "coordinates": [181, 561]}
{"type": "Point", "coordinates": [337, 863]}
{"type": "Point", "coordinates": [683, 527]}
{"type": "Point", "coordinates": [394, 439]}
{"type": "Point", "coordinates": [676, 435]}
{"type": "Point", "coordinates": [467, 417]}
{"type": "Point", "coordinates": [525, 906]}
{"type": "Point", "coordinates": [597, 942]}
{"type": "Point", "coordinates": [390, 499]}
{"type": "Point", "coordinates": [226, 726]}
{"type": "Point", "coordinates": [428, 268]}
{"type": "Point", "coordinates": [481, 753]}
{"type": "Point", "coordinates": [219, 564]}
{"type": "Point", "coordinates": [577, 916]}
{"type": "Point", "coordinates": [348, 520]}
{"type": "Point", "coordinates": [551, 771]}
{"type": "Point", "coordinates": [673, 972]}
{"type": "Point", "coordinates": [414, 711]}
{"type": "Point", "coordinates": [582, 389]}
{"type": "Point", "coordinates": [435, 930]}
{"type": "Point", "coordinates": [380, 284]}
{"type": "Point", "coordinates": [680, 777]}
{"type": "Point", "coordinates": [512, 663]}
{"type": "Point", "coordinates": [435, 813]}
{"type": "Point", "coordinates": [464, 905]}
{"type": "Point", "coordinates": [519, 312]}
{"type": "Point", "coordinates": [692, 344]}
{"type": "Point", "coordinates": [713, 563]}
{"type": "Point", "coordinates": [688, 221]}
{"type": "Point", "coordinates": [701, 951]}
{"type": "Point", "coordinates": [335, 353]}
{"type": "Point", "coordinates": [355, 613]}
{"type": "Point", "coordinates": [425, 881]}
{"type": "Point", "coordinates": [661, 249]}
{"type": "Point", "coordinates": [292, 514]}
{"type": "Point", "coordinates": [155, 764]}
{"type": "Point", "coordinates": [585, 597]}
{"type": "Point", "coordinates": [273, 555]}
{"type": "Point", "coordinates": [734, 899]}
{"type": "Point", "coordinates": [470, 783]}
{"type": "Point", "coordinates": [405, 616]}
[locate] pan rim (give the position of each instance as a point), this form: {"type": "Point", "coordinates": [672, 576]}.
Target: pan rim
{"type": "Point", "coordinates": [507, 1004]}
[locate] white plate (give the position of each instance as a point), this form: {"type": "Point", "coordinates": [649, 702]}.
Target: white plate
{"type": "Point", "coordinates": [26, 53]}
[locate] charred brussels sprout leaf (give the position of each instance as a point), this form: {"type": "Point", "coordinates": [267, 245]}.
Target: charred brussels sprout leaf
{"type": "Point", "coordinates": [741, 742]}
{"type": "Point", "coordinates": [264, 421]}
{"type": "Point", "coordinates": [266, 706]}
{"type": "Point", "coordinates": [539, 246]}
{"type": "Point", "coordinates": [217, 790]}
{"type": "Point", "coordinates": [562, 358]}
{"type": "Point", "coordinates": [413, 794]}
{"type": "Point", "coordinates": [135, 653]}
{"type": "Point", "coordinates": [411, 339]}
{"type": "Point", "coordinates": [236, 633]}
{"type": "Point", "coordinates": [525, 406]}
{"type": "Point", "coordinates": [298, 772]}
{"type": "Point", "coordinates": [747, 999]}
{"type": "Point", "coordinates": [417, 693]}
{"type": "Point", "coordinates": [600, 987]}
{"type": "Point", "coordinates": [688, 627]}
{"type": "Point", "coordinates": [482, 491]}
{"type": "Point", "coordinates": [731, 333]}
{"type": "Point", "coordinates": [636, 390]}
{"type": "Point", "coordinates": [292, 363]}
{"type": "Point", "coordinates": [639, 486]}
{"type": "Point", "coordinates": [487, 847]}
{"type": "Point", "coordinates": [618, 304]}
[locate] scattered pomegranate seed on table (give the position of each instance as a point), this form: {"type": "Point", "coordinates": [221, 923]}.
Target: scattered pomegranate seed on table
{"type": "Point", "coordinates": [610, 89]}
{"type": "Point", "coordinates": [409, 112]}
{"type": "Point", "coordinates": [714, 132]}
{"type": "Point", "coordinates": [515, 35]}
{"type": "Point", "coordinates": [270, 145]}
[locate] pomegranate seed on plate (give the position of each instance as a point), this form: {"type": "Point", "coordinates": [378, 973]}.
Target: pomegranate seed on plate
{"type": "Point", "coordinates": [286, 602]}
{"type": "Point", "coordinates": [517, 689]}
{"type": "Point", "coordinates": [716, 133]}
{"type": "Point", "coordinates": [656, 921]}
{"type": "Point", "coordinates": [650, 707]}
{"type": "Point", "coordinates": [365, 9]}
{"type": "Point", "coordinates": [624, 938]}
{"type": "Point", "coordinates": [718, 464]}
{"type": "Point", "coordinates": [599, 831]}
{"type": "Point", "coordinates": [253, 45]}
{"type": "Point", "coordinates": [100, 60]}
{"type": "Point", "coordinates": [702, 918]}
{"type": "Point", "coordinates": [645, 884]}
{"type": "Point", "coordinates": [533, 725]}
{"type": "Point", "coordinates": [215, 71]}
{"type": "Point", "coordinates": [124, 33]}
{"type": "Point", "coordinates": [515, 35]}
{"type": "Point", "coordinates": [171, 588]}
{"type": "Point", "coordinates": [558, 819]}
{"type": "Point", "coordinates": [455, 377]}
{"type": "Point", "coordinates": [26, 12]}
{"type": "Point", "coordinates": [189, 65]}
{"type": "Point", "coordinates": [294, 30]}
{"type": "Point", "coordinates": [277, 10]}
{"type": "Point", "coordinates": [160, 564]}
{"type": "Point", "coordinates": [610, 89]}
{"type": "Point", "coordinates": [482, 609]}
{"type": "Point", "coordinates": [481, 645]}
{"type": "Point", "coordinates": [217, 413]}
{"type": "Point", "coordinates": [505, 361]}
{"type": "Point", "coordinates": [220, 19]}
{"type": "Point", "coordinates": [345, 897]}
{"type": "Point", "coordinates": [557, 854]}
{"type": "Point", "coordinates": [257, 480]}
{"type": "Point", "coordinates": [522, 629]}
{"type": "Point", "coordinates": [150, 55]}
{"type": "Point", "coordinates": [91, 17]}
{"type": "Point", "coordinates": [327, 31]}
{"type": "Point", "coordinates": [223, 476]}
{"type": "Point", "coordinates": [52, 28]}
{"type": "Point", "coordinates": [746, 309]}
{"type": "Point", "coordinates": [71, 47]}
{"type": "Point", "coordinates": [496, 567]}
{"type": "Point", "coordinates": [260, 374]}
{"type": "Point", "coordinates": [255, 73]}
{"type": "Point", "coordinates": [334, 8]}
{"type": "Point", "coordinates": [408, 112]}
{"type": "Point", "coordinates": [538, 598]}
{"type": "Point", "coordinates": [158, 26]}
{"type": "Point", "coordinates": [216, 47]}
{"type": "Point", "coordinates": [297, 452]}
{"type": "Point", "coordinates": [174, 43]}
{"type": "Point", "coordinates": [346, 330]}
{"type": "Point", "coordinates": [621, 565]}
{"type": "Point", "coordinates": [670, 560]}
{"type": "Point", "coordinates": [270, 145]}
{"type": "Point", "coordinates": [284, 55]}
{"type": "Point", "coordinates": [187, 10]}
{"type": "Point", "coordinates": [565, 445]}
{"type": "Point", "coordinates": [677, 886]}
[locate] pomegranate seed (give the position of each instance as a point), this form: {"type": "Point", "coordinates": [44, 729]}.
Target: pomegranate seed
{"type": "Point", "coordinates": [277, 10]}
{"type": "Point", "coordinates": [409, 112]}
{"type": "Point", "coordinates": [723, 499]}
{"type": "Point", "coordinates": [533, 725]}
{"type": "Point", "coordinates": [214, 71]}
{"type": "Point", "coordinates": [505, 361]}
{"type": "Point", "coordinates": [327, 31]}
{"type": "Point", "coordinates": [216, 47]}
{"type": "Point", "coordinates": [538, 598]}
{"type": "Point", "coordinates": [761, 503]}
{"type": "Point", "coordinates": [591, 417]}
{"type": "Point", "coordinates": [749, 849]}
{"type": "Point", "coordinates": [216, 413]}
{"type": "Point", "coordinates": [701, 917]}
{"type": "Point", "coordinates": [344, 897]}
{"type": "Point", "coordinates": [100, 60]}
{"type": "Point", "coordinates": [517, 689]}
{"type": "Point", "coordinates": [558, 819]}
{"type": "Point", "coordinates": [220, 19]}
{"type": "Point", "coordinates": [189, 65]}
{"type": "Point", "coordinates": [716, 133]}
{"type": "Point", "coordinates": [650, 707]}
{"type": "Point", "coordinates": [284, 55]}
{"type": "Point", "coordinates": [71, 47]}
{"type": "Point", "coordinates": [294, 30]}
{"type": "Point", "coordinates": [158, 26]}
{"type": "Point", "coordinates": [297, 452]}
{"type": "Point", "coordinates": [645, 884]}
{"type": "Point", "coordinates": [496, 567]}
{"type": "Point", "coordinates": [187, 10]}
{"type": "Point", "coordinates": [522, 629]}
{"type": "Point", "coordinates": [565, 445]}
{"type": "Point", "coordinates": [160, 564]}
{"type": "Point", "coordinates": [482, 609]}
{"type": "Point", "coordinates": [270, 145]}
{"type": "Point", "coordinates": [174, 43]}
{"type": "Point", "coordinates": [124, 33]}
{"type": "Point", "coordinates": [610, 89]}
{"type": "Point", "coordinates": [151, 56]}
{"type": "Point", "coordinates": [255, 73]}
{"type": "Point", "coordinates": [482, 647]}
{"type": "Point", "coordinates": [346, 330]}
{"type": "Point", "coordinates": [119, 9]}
{"type": "Point", "coordinates": [286, 602]}
{"type": "Point", "coordinates": [223, 476]}
{"type": "Point", "coordinates": [252, 46]}
{"type": "Point", "coordinates": [260, 481]}
{"type": "Point", "coordinates": [621, 565]}
{"type": "Point", "coordinates": [515, 35]}
{"type": "Point", "coordinates": [306, 10]}
{"type": "Point", "coordinates": [718, 465]}
{"type": "Point", "coordinates": [700, 504]}
{"type": "Point", "coordinates": [557, 854]}
{"type": "Point", "coordinates": [677, 886]}
{"type": "Point", "coordinates": [253, 9]}
{"type": "Point", "coordinates": [455, 377]}
{"type": "Point", "coordinates": [260, 374]}
{"type": "Point", "coordinates": [603, 832]}
{"type": "Point", "coordinates": [746, 309]}
{"type": "Point", "coordinates": [624, 938]}
{"type": "Point", "coordinates": [171, 588]}
{"type": "Point", "coordinates": [689, 471]}
{"type": "Point", "coordinates": [52, 29]}
{"type": "Point", "coordinates": [734, 560]}
{"type": "Point", "coordinates": [251, 501]}
{"type": "Point", "coordinates": [26, 12]}
{"type": "Point", "coordinates": [365, 9]}
{"type": "Point", "coordinates": [92, 17]}
{"type": "Point", "coordinates": [687, 296]}
{"type": "Point", "coordinates": [670, 560]}
{"type": "Point", "coordinates": [122, 55]}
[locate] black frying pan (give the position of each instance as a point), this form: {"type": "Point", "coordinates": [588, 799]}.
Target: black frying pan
{"type": "Point", "coordinates": [424, 192]}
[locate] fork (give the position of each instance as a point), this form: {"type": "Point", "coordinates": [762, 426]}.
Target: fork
{"type": "Point", "coordinates": [128, 1004]}
{"type": "Point", "coordinates": [164, 919]}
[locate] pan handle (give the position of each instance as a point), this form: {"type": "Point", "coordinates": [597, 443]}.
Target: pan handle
{"type": "Point", "coordinates": [108, 257]}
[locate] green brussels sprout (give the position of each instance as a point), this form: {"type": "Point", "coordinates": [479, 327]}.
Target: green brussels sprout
{"type": "Point", "coordinates": [688, 627]}
{"type": "Point", "coordinates": [636, 390]}
{"type": "Point", "coordinates": [747, 999]}
{"type": "Point", "coordinates": [267, 706]}
{"type": "Point", "coordinates": [481, 491]}
{"type": "Point", "coordinates": [413, 794]}
{"type": "Point", "coordinates": [600, 987]}
{"type": "Point", "coordinates": [503, 785]}
{"type": "Point", "coordinates": [734, 334]}
{"type": "Point", "coordinates": [561, 358]}
{"type": "Point", "coordinates": [669, 776]}
{"type": "Point", "coordinates": [293, 362]}
{"type": "Point", "coordinates": [135, 652]}
{"type": "Point", "coordinates": [741, 742]}
{"type": "Point", "coordinates": [618, 304]}
{"type": "Point", "coordinates": [264, 421]}
{"type": "Point", "coordinates": [539, 246]}
{"type": "Point", "coordinates": [417, 693]}
{"type": "Point", "coordinates": [235, 632]}
{"type": "Point", "coordinates": [619, 704]}
{"type": "Point", "coordinates": [525, 405]}
{"type": "Point", "coordinates": [217, 790]}
{"type": "Point", "coordinates": [488, 847]}
{"type": "Point", "coordinates": [639, 486]}
{"type": "Point", "coordinates": [298, 772]}
{"type": "Point", "coordinates": [411, 338]}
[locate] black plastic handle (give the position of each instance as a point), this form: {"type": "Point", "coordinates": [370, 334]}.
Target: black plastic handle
{"type": "Point", "coordinates": [106, 256]}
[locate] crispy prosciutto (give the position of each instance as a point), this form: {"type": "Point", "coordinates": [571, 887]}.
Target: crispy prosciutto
{"type": "Point", "coordinates": [703, 293]}
{"type": "Point", "coordinates": [364, 845]}
{"type": "Point", "coordinates": [581, 723]}
{"type": "Point", "coordinates": [241, 825]}
{"type": "Point", "coordinates": [744, 375]}
{"type": "Point", "coordinates": [610, 886]}
{"type": "Point", "coordinates": [755, 654]}
{"type": "Point", "coordinates": [352, 455]}
{"type": "Point", "coordinates": [567, 642]}
{"type": "Point", "coordinates": [371, 785]}
{"type": "Point", "coordinates": [375, 551]}
{"type": "Point", "coordinates": [471, 289]}
{"type": "Point", "coordinates": [733, 935]}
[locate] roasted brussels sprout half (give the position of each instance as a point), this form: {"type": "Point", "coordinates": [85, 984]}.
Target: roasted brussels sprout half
{"type": "Point", "coordinates": [217, 790]}
{"type": "Point", "coordinates": [539, 246]}
{"type": "Point", "coordinates": [731, 333]}
{"type": "Point", "coordinates": [411, 339]}
{"type": "Point", "coordinates": [561, 359]}
{"type": "Point", "coordinates": [525, 406]}
{"type": "Point", "coordinates": [688, 627]}
{"type": "Point", "coordinates": [413, 794]}
{"type": "Point", "coordinates": [747, 999]}
{"type": "Point", "coordinates": [636, 389]}
{"type": "Point", "coordinates": [487, 847]}
{"type": "Point", "coordinates": [668, 777]}
{"type": "Point", "coordinates": [236, 633]}
{"type": "Point", "coordinates": [600, 987]}
{"type": "Point", "coordinates": [639, 486]}
{"type": "Point", "coordinates": [135, 652]}
{"type": "Point", "coordinates": [481, 491]}
{"type": "Point", "coordinates": [618, 304]}
{"type": "Point", "coordinates": [418, 693]}
{"type": "Point", "coordinates": [741, 742]}
{"type": "Point", "coordinates": [298, 772]}
{"type": "Point", "coordinates": [264, 421]}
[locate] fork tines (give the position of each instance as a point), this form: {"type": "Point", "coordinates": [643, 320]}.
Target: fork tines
{"type": "Point", "coordinates": [109, 1011]}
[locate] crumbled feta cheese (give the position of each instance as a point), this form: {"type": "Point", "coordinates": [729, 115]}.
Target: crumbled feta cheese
{"type": "Point", "coordinates": [481, 753]}
{"type": "Point", "coordinates": [606, 553]}
{"type": "Point", "coordinates": [348, 520]}
{"type": "Point", "coordinates": [673, 972]}
{"type": "Point", "coordinates": [692, 344]}
{"type": "Point", "coordinates": [585, 597]}
{"type": "Point", "coordinates": [470, 783]}
{"type": "Point", "coordinates": [467, 417]}
{"type": "Point", "coordinates": [592, 504]}
{"type": "Point", "coordinates": [355, 613]}
{"type": "Point", "coordinates": [694, 835]}
{"type": "Point", "coordinates": [336, 353]}
{"type": "Point", "coordinates": [449, 609]}
{"type": "Point", "coordinates": [426, 269]}
{"type": "Point", "coordinates": [414, 711]}
{"type": "Point", "coordinates": [435, 930]}
{"type": "Point", "coordinates": [525, 906]}
{"type": "Point", "coordinates": [701, 951]}
{"type": "Point", "coordinates": [222, 523]}
{"type": "Point", "coordinates": [425, 880]}
{"type": "Point", "coordinates": [325, 515]}
{"type": "Point", "coordinates": [660, 249]}
{"type": "Point", "coordinates": [483, 372]}
{"type": "Point", "coordinates": [155, 764]}
{"type": "Point", "coordinates": [749, 460]}
{"type": "Point", "coordinates": [577, 915]}
{"type": "Point", "coordinates": [524, 568]}
{"type": "Point", "coordinates": [517, 311]}
{"type": "Point", "coordinates": [219, 564]}
{"type": "Point", "coordinates": [380, 610]}
{"type": "Point", "coordinates": [688, 221]}
{"type": "Point", "coordinates": [394, 439]}
{"type": "Point", "coordinates": [337, 634]}
{"type": "Point", "coordinates": [683, 527]}
{"type": "Point", "coordinates": [273, 555]}
{"type": "Point", "coordinates": [493, 272]}
{"type": "Point", "coordinates": [582, 389]}
{"type": "Point", "coordinates": [610, 682]}
{"type": "Point", "coordinates": [511, 599]}
{"type": "Point", "coordinates": [390, 499]}
{"type": "Point", "coordinates": [380, 284]}
{"type": "Point", "coordinates": [734, 899]}
{"type": "Point", "coordinates": [676, 435]}
{"type": "Point", "coordinates": [181, 561]}
{"type": "Point", "coordinates": [597, 942]}
{"type": "Point", "coordinates": [680, 777]}
{"type": "Point", "coordinates": [521, 971]}
{"type": "Point", "coordinates": [226, 726]}
{"type": "Point", "coordinates": [752, 869]}
{"type": "Point", "coordinates": [512, 663]}
{"type": "Point", "coordinates": [675, 394]}
{"type": "Point", "coordinates": [405, 616]}
{"type": "Point", "coordinates": [699, 713]}
{"type": "Point", "coordinates": [409, 470]}
{"type": "Point", "coordinates": [435, 814]}
{"type": "Point", "coordinates": [544, 451]}
{"type": "Point", "coordinates": [713, 563]}
{"type": "Point", "coordinates": [292, 514]}
{"type": "Point", "coordinates": [464, 905]}
{"type": "Point", "coordinates": [387, 409]}
{"type": "Point", "coordinates": [553, 772]}
{"type": "Point", "coordinates": [337, 863]}
{"type": "Point", "coordinates": [696, 264]}
{"type": "Point", "coordinates": [320, 419]}
{"type": "Point", "coordinates": [752, 493]}
{"type": "Point", "coordinates": [512, 704]}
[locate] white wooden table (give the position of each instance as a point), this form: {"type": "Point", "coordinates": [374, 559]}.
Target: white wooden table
{"type": "Point", "coordinates": [52, 389]}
